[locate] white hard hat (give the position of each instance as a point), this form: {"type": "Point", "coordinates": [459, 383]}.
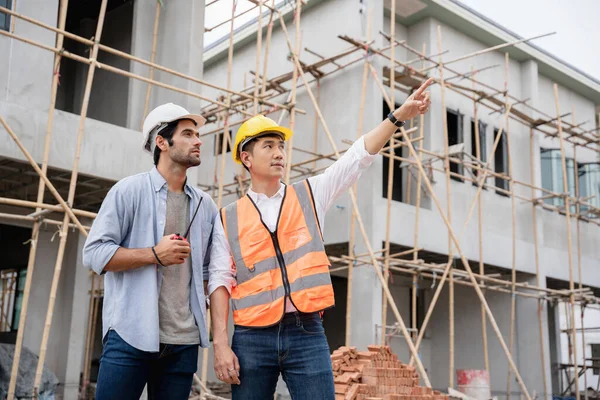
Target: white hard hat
{"type": "Point", "coordinates": [160, 117]}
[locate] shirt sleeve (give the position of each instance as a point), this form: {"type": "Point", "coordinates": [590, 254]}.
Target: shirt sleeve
{"type": "Point", "coordinates": [340, 175]}
{"type": "Point", "coordinates": [221, 271]}
{"type": "Point", "coordinates": [108, 231]}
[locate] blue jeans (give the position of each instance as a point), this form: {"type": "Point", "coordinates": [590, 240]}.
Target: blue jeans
{"type": "Point", "coordinates": [296, 348]}
{"type": "Point", "coordinates": [125, 370]}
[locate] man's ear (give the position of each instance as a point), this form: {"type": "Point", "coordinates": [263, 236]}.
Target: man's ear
{"type": "Point", "coordinates": [161, 143]}
{"type": "Point", "coordinates": [245, 158]}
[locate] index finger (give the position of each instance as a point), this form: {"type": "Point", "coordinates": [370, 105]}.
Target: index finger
{"type": "Point", "coordinates": [423, 87]}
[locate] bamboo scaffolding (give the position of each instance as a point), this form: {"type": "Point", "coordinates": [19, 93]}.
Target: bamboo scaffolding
{"type": "Point", "coordinates": [448, 208]}
{"type": "Point", "coordinates": [403, 329]}
{"type": "Point", "coordinates": [225, 138]}
{"type": "Point", "coordinates": [416, 233]}
{"type": "Point", "coordinates": [129, 57]}
{"type": "Point", "coordinates": [468, 268]}
{"type": "Point", "coordinates": [578, 211]}
{"type": "Point", "coordinates": [152, 58]}
{"type": "Point", "coordinates": [351, 244]}
{"type": "Point", "coordinates": [513, 302]}
{"type": "Point", "coordinates": [390, 182]}
{"type": "Point", "coordinates": [567, 132]}
{"type": "Point", "coordinates": [43, 176]}
{"type": "Point", "coordinates": [569, 239]}
{"type": "Point", "coordinates": [486, 360]}
{"type": "Point", "coordinates": [71, 197]}
{"type": "Point", "coordinates": [296, 51]}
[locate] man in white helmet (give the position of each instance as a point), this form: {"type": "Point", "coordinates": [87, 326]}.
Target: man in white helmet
{"type": "Point", "coordinates": [152, 240]}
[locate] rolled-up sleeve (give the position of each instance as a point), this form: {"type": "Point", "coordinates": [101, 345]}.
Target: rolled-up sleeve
{"type": "Point", "coordinates": [221, 271]}
{"type": "Point", "coordinates": [106, 234]}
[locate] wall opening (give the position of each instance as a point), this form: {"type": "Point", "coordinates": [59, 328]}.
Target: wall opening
{"type": "Point", "coordinates": [13, 272]}
{"type": "Point", "coordinates": [109, 95]}
{"type": "Point", "coordinates": [454, 119]}
{"type": "Point", "coordinates": [481, 151]}
{"type": "Point", "coordinates": [501, 162]}
{"type": "Point", "coordinates": [397, 189]}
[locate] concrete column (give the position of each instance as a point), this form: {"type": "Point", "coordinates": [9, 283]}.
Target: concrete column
{"type": "Point", "coordinates": [528, 354]}
{"type": "Point", "coordinates": [26, 68]}
{"type": "Point", "coordinates": [73, 346]}
{"type": "Point", "coordinates": [180, 47]}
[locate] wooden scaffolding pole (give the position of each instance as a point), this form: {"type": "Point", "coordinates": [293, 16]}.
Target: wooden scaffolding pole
{"type": "Point", "coordinates": [478, 153]}
{"type": "Point", "coordinates": [351, 243]}
{"type": "Point", "coordinates": [540, 310]}
{"type": "Point", "coordinates": [569, 240]}
{"type": "Point", "coordinates": [257, 83]}
{"type": "Point", "coordinates": [224, 141]}
{"type": "Point", "coordinates": [40, 198]}
{"type": "Point", "coordinates": [448, 208]}
{"type": "Point", "coordinates": [415, 332]}
{"type": "Point", "coordinates": [296, 51]}
{"type": "Point", "coordinates": [363, 231]}
{"type": "Point", "coordinates": [353, 216]}
{"type": "Point", "coordinates": [89, 346]}
{"type": "Point", "coordinates": [267, 47]}
{"type": "Point", "coordinates": [578, 211]}
{"type": "Point", "coordinates": [71, 197]}
{"type": "Point", "coordinates": [390, 182]}
{"type": "Point", "coordinates": [152, 58]}
{"type": "Point", "coordinates": [513, 301]}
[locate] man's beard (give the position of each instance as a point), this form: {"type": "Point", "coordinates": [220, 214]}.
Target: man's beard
{"type": "Point", "coordinates": [187, 160]}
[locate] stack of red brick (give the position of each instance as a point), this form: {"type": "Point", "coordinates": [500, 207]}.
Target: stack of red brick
{"type": "Point", "coordinates": [376, 374]}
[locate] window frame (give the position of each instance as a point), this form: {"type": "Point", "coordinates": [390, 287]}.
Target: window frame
{"type": "Point", "coordinates": [5, 26]}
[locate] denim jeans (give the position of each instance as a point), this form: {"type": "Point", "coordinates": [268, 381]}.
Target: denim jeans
{"type": "Point", "coordinates": [125, 370]}
{"type": "Point", "coordinates": [296, 348]}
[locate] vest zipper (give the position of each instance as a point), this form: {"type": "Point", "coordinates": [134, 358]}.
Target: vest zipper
{"type": "Point", "coordinates": [286, 283]}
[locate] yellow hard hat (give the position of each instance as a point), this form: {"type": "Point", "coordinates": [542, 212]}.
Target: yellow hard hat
{"type": "Point", "coordinates": [255, 127]}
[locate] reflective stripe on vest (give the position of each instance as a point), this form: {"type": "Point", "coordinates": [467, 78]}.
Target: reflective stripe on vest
{"type": "Point", "coordinates": [262, 278]}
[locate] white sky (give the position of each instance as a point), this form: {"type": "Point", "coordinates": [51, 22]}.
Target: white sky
{"type": "Point", "coordinates": [577, 38]}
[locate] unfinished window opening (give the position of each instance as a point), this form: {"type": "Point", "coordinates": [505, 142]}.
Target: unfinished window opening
{"type": "Point", "coordinates": [552, 176]}
{"type": "Point", "coordinates": [108, 100]}
{"type": "Point", "coordinates": [501, 162]}
{"type": "Point", "coordinates": [397, 191]}
{"type": "Point", "coordinates": [12, 278]}
{"type": "Point", "coordinates": [479, 153]}
{"type": "Point", "coordinates": [454, 120]}
{"type": "Point", "coordinates": [219, 143]}
{"type": "Point", "coordinates": [5, 18]}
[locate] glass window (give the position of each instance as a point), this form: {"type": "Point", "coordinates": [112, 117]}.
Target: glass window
{"type": "Point", "coordinates": [552, 175]}
{"type": "Point", "coordinates": [589, 183]}
{"type": "Point", "coordinates": [5, 19]}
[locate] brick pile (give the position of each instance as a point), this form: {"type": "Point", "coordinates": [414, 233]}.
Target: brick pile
{"type": "Point", "coordinates": [376, 374]}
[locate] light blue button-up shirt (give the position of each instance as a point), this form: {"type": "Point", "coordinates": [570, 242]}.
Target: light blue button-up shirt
{"type": "Point", "coordinates": [133, 215]}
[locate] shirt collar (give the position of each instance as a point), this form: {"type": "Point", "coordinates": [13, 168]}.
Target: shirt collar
{"type": "Point", "coordinates": [261, 196]}
{"type": "Point", "coordinates": [158, 182]}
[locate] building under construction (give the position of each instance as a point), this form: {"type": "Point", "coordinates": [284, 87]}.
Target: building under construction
{"type": "Point", "coordinates": [470, 244]}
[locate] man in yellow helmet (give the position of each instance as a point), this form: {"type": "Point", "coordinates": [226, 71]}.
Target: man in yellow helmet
{"type": "Point", "coordinates": [279, 262]}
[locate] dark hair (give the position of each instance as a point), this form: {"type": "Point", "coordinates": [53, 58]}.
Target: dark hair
{"type": "Point", "coordinates": [250, 145]}
{"type": "Point", "coordinates": [167, 132]}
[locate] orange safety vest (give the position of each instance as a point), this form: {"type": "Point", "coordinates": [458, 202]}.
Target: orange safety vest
{"type": "Point", "coordinates": [272, 265]}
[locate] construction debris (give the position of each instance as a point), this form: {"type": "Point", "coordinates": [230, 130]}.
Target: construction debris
{"type": "Point", "coordinates": [376, 374]}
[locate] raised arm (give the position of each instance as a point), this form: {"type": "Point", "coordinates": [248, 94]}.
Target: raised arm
{"type": "Point", "coordinates": [340, 175]}
{"type": "Point", "coordinates": [417, 103]}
